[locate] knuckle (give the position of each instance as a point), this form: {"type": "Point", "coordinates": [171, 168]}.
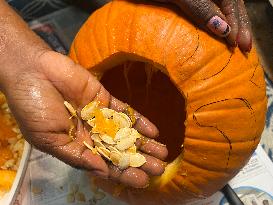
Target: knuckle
{"type": "Point", "coordinates": [135, 178]}
{"type": "Point", "coordinates": [229, 7]}
{"type": "Point", "coordinates": [203, 9]}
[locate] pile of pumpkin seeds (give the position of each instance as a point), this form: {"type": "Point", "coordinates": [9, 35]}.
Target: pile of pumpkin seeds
{"type": "Point", "coordinates": [112, 134]}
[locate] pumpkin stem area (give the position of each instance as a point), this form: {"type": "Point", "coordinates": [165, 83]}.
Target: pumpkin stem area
{"type": "Point", "coordinates": [151, 92]}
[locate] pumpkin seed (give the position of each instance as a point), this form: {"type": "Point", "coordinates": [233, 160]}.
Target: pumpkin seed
{"type": "Point", "coordinates": [125, 143]}
{"type": "Point", "coordinates": [70, 198]}
{"type": "Point", "coordinates": [137, 160]}
{"type": "Point", "coordinates": [122, 133]}
{"type": "Point", "coordinates": [70, 134]}
{"type": "Point", "coordinates": [93, 149]}
{"type": "Point", "coordinates": [95, 131]}
{"type": "Point", "coordinates": [124, 161]}
{"type": "Point", "coordinates": [80, 197]}
{"type": "Point", "coordinates": [156, 142]}
{"type": "Point", "coordinates": [125, 132]}
{"type": "Point", "coordinates": [99, 195]}
{"type": "Point", "coordinates": [122, 120]}
{"type": "Point", "coordinates": [135, 133]}
{"type": "Point", "coordinates": [71, 109]}
{"type": "Point", "coordinates": [132, 149]}
{"type": "Point", "coordinates": [99, 144]}
{"type": "Point", "coordinates": [115, 157]}
{"type": "Point", "coordinates": [131, 113]}
{"type": "Point", "coordinates": [96, 137]}
{"type": "Point", "coordinates": [107, 139]}
{"type": "Point", "coordinates": [103, 152]}
{"type": "Point", "coordinates": [107, 113]}
{"type": "Point", "coordinates": [91, 122]}
{"type": "Point", "coordinates": [113, 149]}
{"type": "Point", "coordinates": [106, 151]}
{"type": "Point", "coordinates": [87, 145]}
{"type": "Point", "coordinates": [120, 150]}
{"type": "Point", "coordinates": [87, 112]}
{"type": "Point", "coordinates": [36, 190]}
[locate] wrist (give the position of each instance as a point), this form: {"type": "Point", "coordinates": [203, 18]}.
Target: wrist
{"type": "Point", "coordinates": [20, 48]}
{"type": "Point", "coordinates": [14, 65]}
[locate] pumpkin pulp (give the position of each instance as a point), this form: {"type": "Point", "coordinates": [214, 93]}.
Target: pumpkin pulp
{"type": "Point", "coordinates": [5, 134]}
{"type": "Point", "coordinates": [151, 93]}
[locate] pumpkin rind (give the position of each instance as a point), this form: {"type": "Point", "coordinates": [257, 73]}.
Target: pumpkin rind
{"type": "Point", "coordinates": [224, 91]}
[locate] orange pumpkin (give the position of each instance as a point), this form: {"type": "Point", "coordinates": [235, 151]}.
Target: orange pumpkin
{"type": "Point", "coordinates": [206, 96]}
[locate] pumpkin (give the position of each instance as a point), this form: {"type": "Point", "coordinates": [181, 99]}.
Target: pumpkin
{"type": "Point", "coordinates": [218, 92]}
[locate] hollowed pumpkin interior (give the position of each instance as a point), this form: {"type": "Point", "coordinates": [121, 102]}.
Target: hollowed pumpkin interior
{"type": "Point", "coordinates": [151, 93]}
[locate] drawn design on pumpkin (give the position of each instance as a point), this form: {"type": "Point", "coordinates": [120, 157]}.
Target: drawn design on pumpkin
{"type": "Point", "coordinates": [195, 50]}
{"type": "Point", "coordinates": [222, 132]}
{"type": "Point", "coordinates": [252, 79]}
{"type": "Point", "coordinates": [218, 72]}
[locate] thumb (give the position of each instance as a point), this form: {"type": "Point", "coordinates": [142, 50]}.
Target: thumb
{"type": "Point", "coordinates": [79, 87]}
{"type": "Point", "coordinates": [76, 84]}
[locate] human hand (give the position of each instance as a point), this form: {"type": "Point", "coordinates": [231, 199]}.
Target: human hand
{"type": "Point", "coordinates": [36, 97]}
{"type": "Point", "coordinates": [225, 18]}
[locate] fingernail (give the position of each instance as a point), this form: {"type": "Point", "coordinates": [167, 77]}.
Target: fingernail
{"type": "Point", "coordinates": [249, 46]}
{"type": "Point", "coordinates": [248, 49]}
{"type": "Point", "coordinates": [218, 26]}
{"type": "Point", "coordinates": [233, 44]}
{"type": "Point", "coordinates": [99, 174]}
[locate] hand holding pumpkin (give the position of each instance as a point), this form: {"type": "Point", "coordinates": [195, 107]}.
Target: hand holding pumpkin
{"type": "Point", "coordinates": [37, 81]}
{"type": "Point", "coordinates": [225, 18]}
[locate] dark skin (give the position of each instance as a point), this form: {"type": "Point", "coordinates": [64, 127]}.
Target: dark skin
{"type": "Point", "coordinates": [36, 82]}
{"type": "Point", "coordinates": [233, 12]}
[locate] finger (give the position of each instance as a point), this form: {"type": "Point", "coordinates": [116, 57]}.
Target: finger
{"type": "Point", "coordinates": [230, 10]}
{"type": "Point", "coordinates": [145, 127]}
{"type": "Point", "coordinates": [94, 163]}
{"type": "Point", "coordinates": [80, 157]}
{"type": "Point", "coordinates": [74, 154]}
{"type": "Point", "coordinates": [142, 124]}
{"type": "Point", "coordinates": [205, 13]}
{"type": "Point", "coordinates": [244, 37]}
{"type": "Point", "coordinates": [132, 177]}
{"type": "Point", "coordinates": [152, 148]}
{"type": "Point", "coordinates": [89, 160]}
{"type": "Point", "coordinates": [82, 134]}
{"type": "Point", "coordinates": [73, 151]}
{"type": "Point", "coordinates": [153, 166]}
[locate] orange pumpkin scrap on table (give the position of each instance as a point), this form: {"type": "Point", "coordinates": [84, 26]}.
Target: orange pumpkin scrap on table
{"type": "Point", "coordinates": [207, 100]}
{"type": "Point", "coordinates": [6, 124]}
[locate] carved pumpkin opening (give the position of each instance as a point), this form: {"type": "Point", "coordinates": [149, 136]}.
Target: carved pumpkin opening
{"type": "Point", "coordinates": [151, 93]}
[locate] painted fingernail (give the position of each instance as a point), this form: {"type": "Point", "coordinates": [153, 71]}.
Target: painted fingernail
{"type": "Point", "coordinates": [218, 26]}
